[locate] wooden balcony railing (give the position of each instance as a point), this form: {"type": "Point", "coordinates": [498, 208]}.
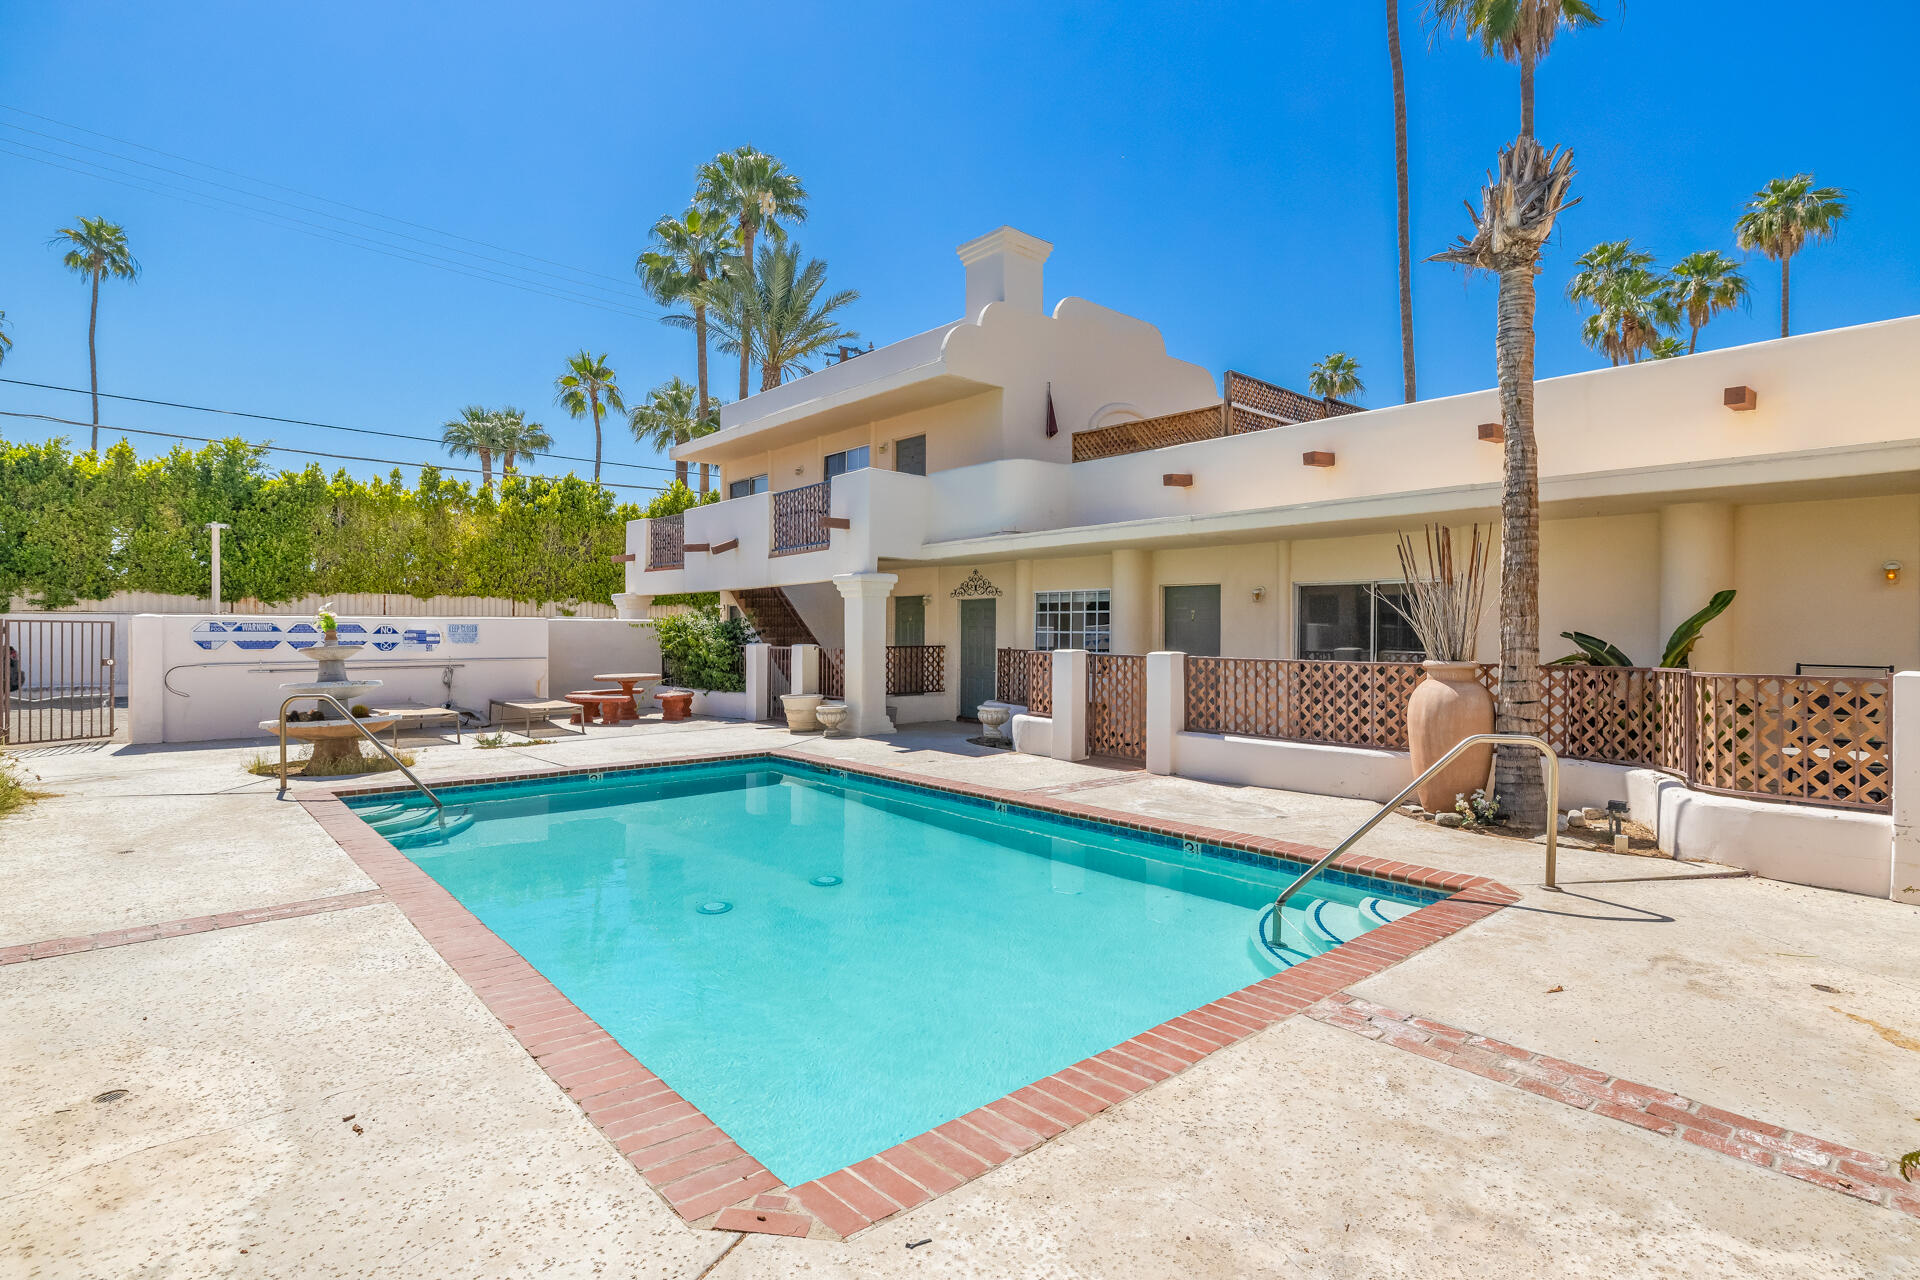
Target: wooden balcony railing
{"type": "Point", "coordinates": [800, 518]}
{"type": "Point", "coordinates": [666, 542]}
{"type": "Point", "coordinates": [1024, 677]}
{"type": "Point", "coordinates": [916, 668]}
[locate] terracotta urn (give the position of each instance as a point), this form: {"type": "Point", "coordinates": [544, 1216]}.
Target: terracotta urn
{"type": "Point", "coordinates": [1446, 708]}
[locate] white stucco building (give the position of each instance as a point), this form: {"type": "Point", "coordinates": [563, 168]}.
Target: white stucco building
{"type": "Point", "coordinates": [929, 462]}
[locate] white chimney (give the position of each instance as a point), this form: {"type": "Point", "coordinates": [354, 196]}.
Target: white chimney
{"type": "Point", "coordinates": [1004, 266]}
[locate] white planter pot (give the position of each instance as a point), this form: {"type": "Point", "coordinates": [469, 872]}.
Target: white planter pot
{"type": "Point", "coordinates": [991, 718]}
{"type": "Point", "coordinates": [800, 709]}
{"type": "Point", "coordinates": [831, 716]}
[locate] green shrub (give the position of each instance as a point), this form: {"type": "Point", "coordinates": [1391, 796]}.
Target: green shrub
{"type": "Point", "coordinates": [704, 651]}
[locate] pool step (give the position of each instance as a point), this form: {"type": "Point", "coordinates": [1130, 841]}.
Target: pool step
{"type": "Point", "coordinates": [450, 824]}
{"type": "Point", "coordinates": [1323, 924]}
{"type": "Point", "coordinates": [402, 821]}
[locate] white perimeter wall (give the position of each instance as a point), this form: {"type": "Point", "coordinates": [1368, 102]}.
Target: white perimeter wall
{"type": "Point", "coordinates": [580, 648]}
{"type": "Point", "coordinates": [179, 691]}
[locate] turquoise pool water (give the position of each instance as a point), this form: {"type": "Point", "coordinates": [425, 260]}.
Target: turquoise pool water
{"type": "Point", "coordinates": [827, 965]}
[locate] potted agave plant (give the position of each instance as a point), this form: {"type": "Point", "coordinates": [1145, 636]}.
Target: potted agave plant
{"type": "Point", "coordinates": [1450, 705]}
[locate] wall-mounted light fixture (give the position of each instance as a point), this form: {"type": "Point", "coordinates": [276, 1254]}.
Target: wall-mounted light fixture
{"type": "Point", "coordinates": [1259, 594]}
{"type": "Point", "coordinates": [1892, 569]}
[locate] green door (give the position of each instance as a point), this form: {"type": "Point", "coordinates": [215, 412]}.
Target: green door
{"type": "Point", "coordinates": [978, 637]}
{"type": "Point", "coordinates": [910, 620]}
{"type": "Point", "coordinates": [1193, 620]}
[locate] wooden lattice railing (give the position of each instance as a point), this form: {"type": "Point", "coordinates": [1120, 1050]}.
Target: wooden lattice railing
{"type": "Point", "coordinates": [1117, 705]}
{"type": "Point", "coordinates": [666, 542]}
{"type": "Point", "coordinates": [916, 668]}
{"type": "Point", "coordinates": [800, 518]}
{"type": "Point", "coordinates": [1806, 739]}
{"type": "Point", "coordinates": [1024, 677]}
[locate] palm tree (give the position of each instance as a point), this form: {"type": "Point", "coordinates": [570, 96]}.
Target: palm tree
{"type": "Point", "coordinates": [474, 434]}
{"type": "Point", "coordinates": [96, 248]}
{"type": "Point", "coordinates": [517, 438]}
{"type": "Point", "coordinates": [1633, 304]}
{"type": "Point", "coordinates": [757, 193]}
{"type": "Point", "coordinates": [688, 254]}
{"type": "Point", "coordinates": [1520, 31]}
{"type": "Point", "coordinates": [667, 418]}
{"type": "Point", "coordinates": [1668, 347]}
{"type": "Point", "coordinates": [1782, 217]}
{"type": "Point", "coordinates": [1703, 285]}
{"type": "Point", "coordinates": [783, 319]}
{"type": "Point", "coordinates": [1400, 186]}
{"type": "Point", "coordinates": [589, 386]}
{"type": "Point", "coordinates": [6, 343]}
{"type": "Point", "coordinates": [1518, 207]}
{"type": "Point", "coordinates": [1336, 377]}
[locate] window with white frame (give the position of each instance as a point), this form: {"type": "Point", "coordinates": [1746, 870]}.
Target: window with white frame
{"type": "Point", "coordinates": [1072, 620]}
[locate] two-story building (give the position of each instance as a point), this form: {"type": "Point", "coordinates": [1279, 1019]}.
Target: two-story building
{"type": "Point", "coordinates": [1034, 479]}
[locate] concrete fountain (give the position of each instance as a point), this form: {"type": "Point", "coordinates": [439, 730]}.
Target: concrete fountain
{"type": "Point", "coordinates": [334, 742]}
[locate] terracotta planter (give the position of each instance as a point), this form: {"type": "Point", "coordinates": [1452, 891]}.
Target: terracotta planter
{"type": "Point", "coordinates": [1446, 708]}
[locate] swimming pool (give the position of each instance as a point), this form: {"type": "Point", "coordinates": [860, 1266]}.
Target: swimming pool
{"type": "Point", "coordinates": [827, 964]}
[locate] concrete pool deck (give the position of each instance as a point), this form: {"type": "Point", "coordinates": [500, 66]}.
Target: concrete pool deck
{"type": "Point", "coordinates": [1306, 1148]}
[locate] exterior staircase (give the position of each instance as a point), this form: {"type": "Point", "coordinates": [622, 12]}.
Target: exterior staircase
{"type": "Point", "coordinates": [773, 616]}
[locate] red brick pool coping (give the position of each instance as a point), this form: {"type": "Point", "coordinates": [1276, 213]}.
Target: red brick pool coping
{"type": "Point", "coordinates": [710, 1181]}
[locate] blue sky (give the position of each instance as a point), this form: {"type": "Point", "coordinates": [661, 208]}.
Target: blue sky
{"type": "Point", "coordinates": [1224, 171]}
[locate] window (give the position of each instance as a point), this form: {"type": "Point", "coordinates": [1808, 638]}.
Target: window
{"type": "Point", "coordinates": [1356, 622]}
{"type": "Point", "coordinates": [845, 461]}
{"type": "Point", "coordinates": [910, 455]}
{"type": "Point", "coordinates": [1072, 620]}
{"type": "Point", "coordinates": [748, 487]}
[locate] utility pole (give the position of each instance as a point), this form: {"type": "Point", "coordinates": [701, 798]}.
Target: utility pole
{"type": "Point", "coordinates": [215, 526]}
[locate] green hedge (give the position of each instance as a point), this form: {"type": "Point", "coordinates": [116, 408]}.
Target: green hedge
{"type": "Point", "coordinates": [79, 527]}
{"type": "Point", "coordinates": [701, 650]}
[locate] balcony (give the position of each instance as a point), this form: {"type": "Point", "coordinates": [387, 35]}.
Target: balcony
{"type": "Point", "coordinates": [800, 518]}
{"type": "Point", "coordinates": [666, 542]}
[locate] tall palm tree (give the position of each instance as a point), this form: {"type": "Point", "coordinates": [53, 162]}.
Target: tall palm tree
{"type": "Point", "coordinates": [783, 319]}
{"type": "Point", "coordinates": [97, 249]}
{"type": "Point", "coordinates": [1521, 31]}
{"type": "Point", "coordinates": [1633, 304]}
{"type": "Point", "coordinates": [1400, 187]}
{"type": "Point", "coordinates": [1782, 217]}
{"type": "Point", "coordinates": [474, 434]}
{"type": "Point", "coordinates": [1518, 207]}
{"type": "Point", "coordinates": [757, 193]}
{"type": "Point", "coordinates": [689, 253]}
{"type": "Point", "coordinates": [589, 386]}
{"type": "Point", "coordinates": [1703, 285]}
{"type": "Point", "coordinates": [1336, 377]}
{"type": "Point", "coordinates": [517, 438]}
{"type": "Point", "coordinates": [667, 417]}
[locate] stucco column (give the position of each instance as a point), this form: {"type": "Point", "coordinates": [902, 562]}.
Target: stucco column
{"type": "Point", "coordinates": [1070, 704]}
{"type": "Point", "coordinates": [1904, 883]}
{"type": "Point", "coordinates": [865, 595]}
{"type": "Point", "coordinates": [1696, 560]}
{"type": "Point", "coordinates": [1022, 604]}
{"type": "Point", "coordinates": [757, 662]}
{"type": "Point", "coordinates": [805, 670]}
{"type": "Point", "coordinates": [1166, 707]}
{"type": "Point", "coordinates": [1132, 601]}
{"type": "Point", "coordinates": [1282, 589]}
{"type": "Point", "coordinates": [631, 605]}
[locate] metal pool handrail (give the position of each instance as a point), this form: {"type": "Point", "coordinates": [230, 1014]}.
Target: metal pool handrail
{"type": "Point", "coordinates": [1551, 760]}
{"type": "Point", "coordinates": [364, 732]}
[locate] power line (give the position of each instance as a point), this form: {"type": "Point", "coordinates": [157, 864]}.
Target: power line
{"type": "Point", "coordinates": [269, 217]}
{"type": "Point", "coordinates": [372, 213]}
{"type": "Point", "coordinates": [279, 448]}
{"type": "Point", "coordinates": [304, 422]}
{"type": "Point", "coordinates": [626, 294]}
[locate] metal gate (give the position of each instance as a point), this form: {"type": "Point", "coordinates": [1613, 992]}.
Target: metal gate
{"type": "Point", "coordinates": [59, 680]}
{"type": "Point", "coordinates": [1117, 705]}
{"type": "Point", "coordinates": [779, 680]}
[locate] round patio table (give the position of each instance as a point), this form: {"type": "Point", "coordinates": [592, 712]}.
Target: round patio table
{"type": "Point", "coordinates": [627, 680]}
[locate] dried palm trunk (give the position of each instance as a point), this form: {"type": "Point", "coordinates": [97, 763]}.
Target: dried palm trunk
{"type": "Point", "coordinates": [1518, 206]}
